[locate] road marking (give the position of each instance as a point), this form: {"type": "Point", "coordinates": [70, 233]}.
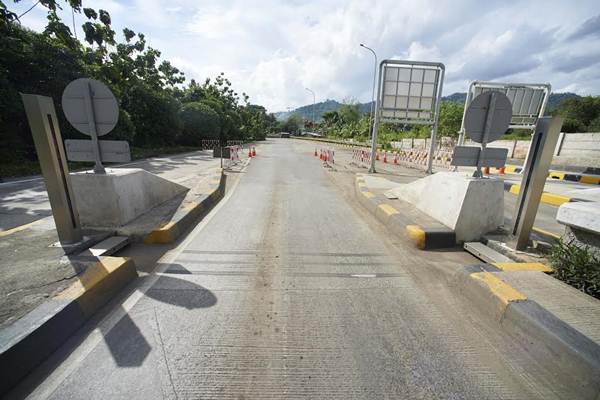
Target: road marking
{"type": "Point", "coordinates": [389, 210]}
{"type": "Point", "coordinates": [368, 195]}
{"type": "Point", "coordinates": [67, 366]}
{"type": "Point", "coordinates": [499, 288]}
{"type": "Point", "coordinates": [547, 198]}
{"type": "Point", "coordinates": [545, 232]}
{"type": "Point", "coordinates": [19, 228]}
{"type": "Point", "coordinates": [364, 275]}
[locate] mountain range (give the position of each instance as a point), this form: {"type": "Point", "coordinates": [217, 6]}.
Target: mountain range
{"type": "Point", "coordinates": [306, 112]}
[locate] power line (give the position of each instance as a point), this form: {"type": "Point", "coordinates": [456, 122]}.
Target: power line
{"type": "Point", "coordinates": [30, 8]}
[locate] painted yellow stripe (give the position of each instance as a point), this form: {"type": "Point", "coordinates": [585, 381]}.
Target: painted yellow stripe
{"type": "Point", "coordinates": [594, 180]}
{"type": "Point", "coordinates": [514, 189]}
{"type": "Point", "coordinates": [547, 233]}
{"type": "Point", "coordinates": [368, 195]}
{"type": "Point", "coordinates": [18, 228]}
{"type": "Point", "coordinates": [92, 276]}
{"type": "Point", "coordinates": [417, 235]}
{"type": "Point", "coordinates": [510, 169]}
{"type": "Point", "coordinates": [556, 175]}
{"type": "Point", "coordinates": [554, 199]}
{"type": "Point", "coordinates": [389, 210]}
{"type": "Point", "coordinates": [503, 291]}
{"type": "Point", "coordinates": [523, 267]}
{"type": "Point", "coordinates": [548, 198]}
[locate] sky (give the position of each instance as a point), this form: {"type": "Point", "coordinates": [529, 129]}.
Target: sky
{"type": "Point", "coordinates": [273, 50]}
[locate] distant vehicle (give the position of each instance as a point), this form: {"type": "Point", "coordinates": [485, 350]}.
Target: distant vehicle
{"type": "Point", "coordinates": [284, 135]}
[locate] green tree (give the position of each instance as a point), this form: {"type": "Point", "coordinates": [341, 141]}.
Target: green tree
{"type": "Point", "coordinates": [199, 122]}
{"type": "Point", "coordinates": [450, 118]}
{"type": "Point", "coordinates": [580, 113]}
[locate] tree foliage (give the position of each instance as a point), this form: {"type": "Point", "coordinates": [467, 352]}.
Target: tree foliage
{"type": "Point", "coordinates": [151, 91]}
{"type": "Point", "coordinates": [582, 114]}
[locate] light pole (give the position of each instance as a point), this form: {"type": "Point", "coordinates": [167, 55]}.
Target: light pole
{"type": "Point", "coordinates": [373, 91]}
{"type": "Point", "coordinates": [313, 107]}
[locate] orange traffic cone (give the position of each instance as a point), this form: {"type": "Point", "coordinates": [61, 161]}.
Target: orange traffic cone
{"type": "Point", "coordinates": [486, 170]}
{"type": "Point", "coordinates": [249, 153]}
{"type": "Point", "coordinates": [254, 152]}
{"type": "Point", "coordinates": [501, 171]}
{"type": "Point", "coordinates": [385, 157]}
{"type": "Point", "coordinates": [395, 158]}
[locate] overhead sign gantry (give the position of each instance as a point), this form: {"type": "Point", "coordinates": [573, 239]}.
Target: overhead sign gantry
{"type": "Point", "coordinates": [408, 92]}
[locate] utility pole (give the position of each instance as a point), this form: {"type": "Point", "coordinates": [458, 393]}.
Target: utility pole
{"type": "Point", "coordinates": [371, 117]}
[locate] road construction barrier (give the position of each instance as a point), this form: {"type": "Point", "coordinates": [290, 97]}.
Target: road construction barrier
{"type": "Point", "coordinates": [415, 158]}
{"type": "Point", "coordinates": [234, 154]}
{"type": "Point", "coordinates": [210, 144]}
{"type": "Point", "coordinates": [361, 157]}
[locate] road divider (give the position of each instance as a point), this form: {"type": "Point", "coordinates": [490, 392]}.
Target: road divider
{"type": "Point", "coordinates": [189, 213]}
{"type": "Point", "coordinates": [547, 197]}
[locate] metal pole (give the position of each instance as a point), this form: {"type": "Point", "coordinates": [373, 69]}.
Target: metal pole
{"type": "Point", "coordinates": [435, 123]}
{"type": "Point", "coordinates": [374, 78]}
{"type": "Point", "coordinates": [87, 97]}
{"type": "Point", "coordinates": [376, 122]}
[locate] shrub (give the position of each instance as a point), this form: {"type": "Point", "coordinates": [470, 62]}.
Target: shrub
{"type": "Point", "coordinates": [578, 266]}
{"type": "Point", "coordinates": [199, 122]}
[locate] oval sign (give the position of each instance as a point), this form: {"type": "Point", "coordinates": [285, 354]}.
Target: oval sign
{"type": "Point", "coordinates": [476, 116]}
{"type": "Point", "coordinates": [105, 109]}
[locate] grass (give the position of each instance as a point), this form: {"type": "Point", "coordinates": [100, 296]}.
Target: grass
{"type": "Point", "coordinates": [578, 266]}
{"type": "Point", "coordinates": [24, 167]}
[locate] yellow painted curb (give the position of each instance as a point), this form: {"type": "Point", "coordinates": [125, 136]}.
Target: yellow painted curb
{"type": "Point", "coordinates": [544, 232]}
{"type": "Point", "coordinates": [554, 199]}
{"type": "Point", "coordinates": [389, 210]}
{"type": "Point", "coordinates": [162, 235]}
{"type": "Point", "coordinates": [547, 198]}
{"type": "Point", "coordinates": [594, 180]}
{"type": "Point", "coordinates": [511, 169]}
{"type": "Point", "coordinates": [417, 235]}
{"type": "Point", "coordinates": [523, 267]}
{"type": "Point", "coordinates": [368, 195]}
{"type": "Point", "coordinates": [94, 275]}
{"type": "Point", "coordinates": [557, 175]}
{"type": "Point", "coordinates": [500, 289]}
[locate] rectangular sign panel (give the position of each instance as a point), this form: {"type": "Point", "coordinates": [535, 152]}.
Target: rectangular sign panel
{"type": "Point", "coordinates": [111, 151]}
{"type": "Point", "coordinates": [467, 156]}
{"type": "Point", "coordinates": [409, 93]}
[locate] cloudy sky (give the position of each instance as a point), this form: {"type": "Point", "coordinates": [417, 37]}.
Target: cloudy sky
{"type": "Point", "coordinates": [273, 50]}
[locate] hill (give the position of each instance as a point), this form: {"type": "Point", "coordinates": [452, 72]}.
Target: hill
{"type": "Point", "coordinates": [306, 112]}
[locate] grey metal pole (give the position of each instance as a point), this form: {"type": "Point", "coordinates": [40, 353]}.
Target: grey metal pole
{"type": "Point", "coordinates": [87, 97]}
{"type": "Point", "coordinates": [371, 121]}
{"type": "Point", "coordinates": [435, 123]}
{"type": "Point", "coordinates": [375, 123]}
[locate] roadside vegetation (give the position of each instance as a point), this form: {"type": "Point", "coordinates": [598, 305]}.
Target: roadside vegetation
{"type": "Point", "coordinates": [578, 266]}
{"type": "Point", "coordinates": [582, 114]}
{"type": "Point", "coordinates": [159, 109]}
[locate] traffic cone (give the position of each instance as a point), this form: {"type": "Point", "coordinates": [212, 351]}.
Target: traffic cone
{"type": "Point", "coordinates": [486, 170]}
{"type": "Point", "coordinates": [253, 151]}
{"type": "Point", "coordinates": [501, 171]}
{"type": "Point", "coordinates": [377, 156]}
{"type": "Point", "coordinates": [395, 158]}
{"type": "Point", "coordinates": [385, 157]}
{"type": "Point", "coordinates": [249, 153]}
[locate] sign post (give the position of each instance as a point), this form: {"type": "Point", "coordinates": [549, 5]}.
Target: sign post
{"type": "Point", "coordinates": [92, 109]}
{"type": "Point", "coordinates": [408, 92]}
{"type": "Point", "coordinates": [53, 163]}
{"type": "Point", "coordinates": [535, 172]}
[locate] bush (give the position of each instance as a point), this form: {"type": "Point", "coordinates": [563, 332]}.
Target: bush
{"type": "Point", "coordinates": [577, 266]}
{"type": "Point", "coordinates": [199, 122]}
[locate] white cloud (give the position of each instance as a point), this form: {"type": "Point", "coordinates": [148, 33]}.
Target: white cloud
{"type": "Point", "coordinates": [273, 49]}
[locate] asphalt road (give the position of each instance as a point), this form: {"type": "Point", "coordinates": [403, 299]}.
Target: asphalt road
{"type": "Point", "coordinates": [24, 201]}
{"type": "Point", "coordinates": [289, 290]}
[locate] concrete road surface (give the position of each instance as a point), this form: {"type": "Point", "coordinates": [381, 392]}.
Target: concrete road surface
{"type": "Point", "coordinates": [289, 290]}
{"type": "Point", "coordinates": [24, 201]}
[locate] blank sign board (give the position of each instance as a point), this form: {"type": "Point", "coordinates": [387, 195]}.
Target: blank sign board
{"type": "Point", "coordinates": [409, 93]}
{"type": "Point", "coordinates": [110, 150]}
{"type": "Point", "coordinates": [527, 100]}
{"type": "Point", "coordinates": [468, 156]}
